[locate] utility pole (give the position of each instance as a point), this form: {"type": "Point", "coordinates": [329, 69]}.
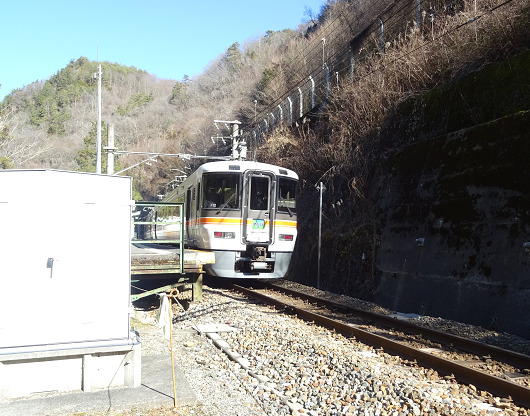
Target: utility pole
{"type": "Point", "coordinates": [98, 140]}
{"type": "Point", "coordinates": [239, 145]}
{"type": "Point", "coordinates": [110, 150]}
{"type": "Point", "coordinates": [321, 188]}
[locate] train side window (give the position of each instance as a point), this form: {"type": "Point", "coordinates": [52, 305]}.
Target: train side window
{"type": "Point", "coordinates": [287, 190]}
{"type": "Point", "coordinates": [197, 207]}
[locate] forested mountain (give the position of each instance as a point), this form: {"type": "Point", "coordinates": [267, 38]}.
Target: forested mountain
{"type": "Point", "coordinates": [48, 124]}
{"type": "Point", "coordinates": [398, 49]}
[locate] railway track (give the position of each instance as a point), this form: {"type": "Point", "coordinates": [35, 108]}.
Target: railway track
{"type": "Point", "coordinates": [501, 372]}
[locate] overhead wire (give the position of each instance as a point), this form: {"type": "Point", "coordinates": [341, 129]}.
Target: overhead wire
{"type": "Point", "coordinates": [338, 57]}
{"type": "Point", "coordinates": [447, 33]}
{"type": "Point", "coordinates": [316, 43]}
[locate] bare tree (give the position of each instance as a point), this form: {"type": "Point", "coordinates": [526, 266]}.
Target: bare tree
{"type": "Point", "coordinates": [16, 153]}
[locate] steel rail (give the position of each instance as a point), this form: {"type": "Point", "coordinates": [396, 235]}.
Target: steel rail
{"type": "Point", "coordinates": [513, 358]}
{"type": "Point", "coordinates": [519, 394]}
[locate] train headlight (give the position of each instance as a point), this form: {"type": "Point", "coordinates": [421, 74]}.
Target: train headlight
{"type": "Point", "coordinates": [286, 237]}
{"type": "Point", "coordinates": [221, 234]}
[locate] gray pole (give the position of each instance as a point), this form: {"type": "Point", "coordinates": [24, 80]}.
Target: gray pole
{"type": "Point", "coordinates": [418, 14]}
{"type": "Point", "coordinates": [381, 35]}
{"type": "Point", "coordinates": [98, 141]}
{"type": "Point", "coordinates": [323, 52]}
{"type": "Point", "coordinates": [110, 150]}
{"type": "Point", "coordinates": [352, 64]}
{"type": "Point", "coordinates": [312, 92]}
{"type": "Point", "coordinates": [301, 102]}
{"type": "Point", "coordinates": [321, 189]}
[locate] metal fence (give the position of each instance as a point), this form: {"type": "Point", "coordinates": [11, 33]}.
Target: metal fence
{"type": "Point", "coordinates": [160, 222]}
{"type": "Point", "coordinates": [333, 58]}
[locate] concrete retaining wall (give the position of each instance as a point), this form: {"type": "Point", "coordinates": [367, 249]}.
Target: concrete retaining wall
{"type": "Point", "coordinates": [87, 368]}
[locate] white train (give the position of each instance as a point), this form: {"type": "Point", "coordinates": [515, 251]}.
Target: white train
{"type": "Point", "coordinates": [243, 211]}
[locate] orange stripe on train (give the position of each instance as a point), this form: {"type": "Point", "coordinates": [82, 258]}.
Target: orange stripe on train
{"type": "Point", "coordinates": [238, 221]}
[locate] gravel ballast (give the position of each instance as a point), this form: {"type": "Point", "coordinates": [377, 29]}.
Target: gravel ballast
{"type": "Point", "coordinates": [260, 361]}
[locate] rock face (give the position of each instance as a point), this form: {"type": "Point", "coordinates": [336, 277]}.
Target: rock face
{"type": "Point", "coordinates": [453, 202]}
{"type": "Point", "coordinates": [445, 227]}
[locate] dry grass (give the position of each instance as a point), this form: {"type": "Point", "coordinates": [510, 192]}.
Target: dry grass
{"type": "Point", "coordinates": [345, 150]}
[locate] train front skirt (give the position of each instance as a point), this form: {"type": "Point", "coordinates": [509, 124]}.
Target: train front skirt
{"type": "Point", "coordinates": [230, 265]}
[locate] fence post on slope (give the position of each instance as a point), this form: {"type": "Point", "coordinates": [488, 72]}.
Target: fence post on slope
{"type": "Point", "coordinates": [290, 110]}
{"type": "Point", "coordinates": [327, 80]}
{"type": "Point", "coordinates": [418, 14]}
{"type": "Point", "coordinates": [312, 92]}
{"type": "Point", "coordinates": [352, 64]}
{"type": "Point", "coordinates": [381, 35]}
{"type": "Point", "coordinates": [301, 102]}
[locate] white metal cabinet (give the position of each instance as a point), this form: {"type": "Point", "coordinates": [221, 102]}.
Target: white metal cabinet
{"type": "Point", "coordinates": [64, 257]}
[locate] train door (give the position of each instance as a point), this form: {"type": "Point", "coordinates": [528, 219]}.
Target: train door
{"type": "Point", "coordinates": [192, 215]}
{"type": "Point", "coordinates": [187, 229]}
{"type": "Point", "coordinates": [258, 212]}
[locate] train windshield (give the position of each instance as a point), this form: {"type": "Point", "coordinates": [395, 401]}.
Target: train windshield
{"type": "Point", "coordinates": [221, 190]}
{"type": "Point", "coordinates": [287, 195]}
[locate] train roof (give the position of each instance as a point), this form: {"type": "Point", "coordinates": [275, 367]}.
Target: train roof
{"type": "Point", "coordinates": [228, 166]}
{"type": "Point", "coordinates": [244, 165]}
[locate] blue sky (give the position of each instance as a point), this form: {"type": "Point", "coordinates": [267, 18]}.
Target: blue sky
{"type": "Point", "coordinates": [167, 38]}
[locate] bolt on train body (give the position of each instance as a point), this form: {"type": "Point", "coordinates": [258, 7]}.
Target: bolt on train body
{"type": "Point", "coordinates": [243, 211]}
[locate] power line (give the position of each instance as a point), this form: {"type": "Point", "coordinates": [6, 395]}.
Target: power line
{"type": "Point", "coordinates": [338, 57]}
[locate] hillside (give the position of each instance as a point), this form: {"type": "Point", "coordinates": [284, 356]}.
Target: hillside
{"type": "Point", "coordinates": [413, 114]}
{"type": "Point", "coordinates": [425, 155]}
{"type": "Point", "coordinates": [46, 124]}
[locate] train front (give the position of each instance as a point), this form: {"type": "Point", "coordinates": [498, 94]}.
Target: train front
{"type": "Point", "coordinates": [248, 219]}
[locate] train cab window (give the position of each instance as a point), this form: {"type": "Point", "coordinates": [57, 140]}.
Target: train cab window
{"type": "Point", "coordinates": [259, 193]}
{"type": "Point", "coordinates": [221, 190]}
{"type": "Point", "coordinates": [287, 190]}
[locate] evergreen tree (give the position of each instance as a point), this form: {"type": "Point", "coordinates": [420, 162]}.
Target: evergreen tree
{"type": "Point", "coordinates": [5, 163]}
{"type": "Point", "coordinates": [179, 94]}
{"type": "Point", "coordinates": [135, 102]}
{"type": "Point", "coordinates": [50, 105]}
{"type": "Point", "coordinates": [233, 58]}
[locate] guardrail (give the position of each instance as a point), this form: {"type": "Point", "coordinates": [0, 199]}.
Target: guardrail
{"type": "Point", "coordinates": [160, 222]}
